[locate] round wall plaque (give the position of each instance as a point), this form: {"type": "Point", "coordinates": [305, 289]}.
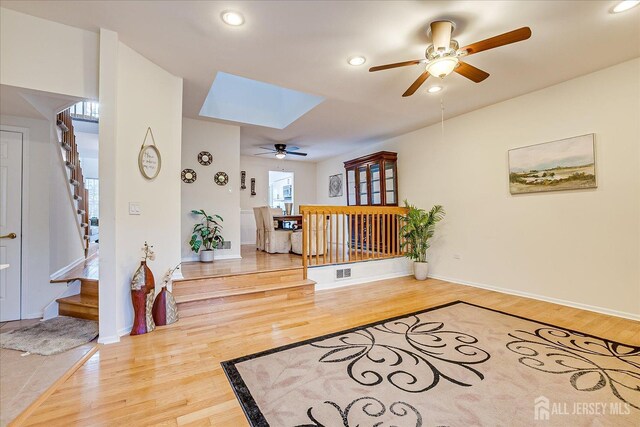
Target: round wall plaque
{"type": "Point", "coordinates": [221, 178]}
{"type": "Point", "coordinates": [189, 176]}
{"type": "Point", "coordinates": [205, 158]}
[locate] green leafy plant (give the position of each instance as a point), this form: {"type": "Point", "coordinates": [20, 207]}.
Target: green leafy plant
{"type": "Point", "coordinates": [206, 233]}
{"type": "Point", "coordinates": [418, 226]}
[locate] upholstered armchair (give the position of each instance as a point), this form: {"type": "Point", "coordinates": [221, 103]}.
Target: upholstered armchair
{"type": "Point", "coordinates": [296, 238]}
{"type": "Point", "coordinates": [275, 241]}
{"type": "Point", "coordinates": [259, 229]}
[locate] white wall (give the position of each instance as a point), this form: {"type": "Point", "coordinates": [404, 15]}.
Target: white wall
{"type": "Point", "coordinates": [32, 55]}
{"type": "Point", "coordinates": [53, 240]}
{"type": "Point", "coordinates": [574, 247]}
{"type": "Point", "coordinates": [135, 94]}
{"type": "Point", "coordinates": [258, 167]}
{"type": "Point", "coordinates": [223, 142]}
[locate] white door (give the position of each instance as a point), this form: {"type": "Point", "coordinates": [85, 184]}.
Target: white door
{"type": "Point", "coordinates": [10, 224]}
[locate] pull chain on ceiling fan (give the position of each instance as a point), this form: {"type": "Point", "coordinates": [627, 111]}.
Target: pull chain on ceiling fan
{"type": "Point", "coordinates": [444, 55]}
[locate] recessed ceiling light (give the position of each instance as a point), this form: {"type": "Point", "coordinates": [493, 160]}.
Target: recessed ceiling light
{"type": "Point", "coordinates": [232, 18]}
{"type": "Point", "coordinates": [434, 89]}
{"type": "Point", "coordinates": [625, 5]}
{"type": "Point", "coordinates": [357, 60]}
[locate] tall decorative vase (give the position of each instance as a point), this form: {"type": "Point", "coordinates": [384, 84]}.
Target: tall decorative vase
{"type": "Point", "coordinates": [142, 294]}
{"type": "Point", "coordinates": [165, 310]}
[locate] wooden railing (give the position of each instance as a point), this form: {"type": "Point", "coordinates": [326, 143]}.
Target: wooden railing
{"type": "Point", "coordinates": [72, 163]}
{"type": "Point", "coordinates": [347, 234]}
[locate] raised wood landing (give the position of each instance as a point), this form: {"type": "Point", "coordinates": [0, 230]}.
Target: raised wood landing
{"type": "Point", "coordinates": [85, 304]}
{"type": "Point", "coordinates": [173, 376]}
{"type": "Point", "coordinates": [253, 283]}
{"type": "Point", "coordinates": [252, 260]}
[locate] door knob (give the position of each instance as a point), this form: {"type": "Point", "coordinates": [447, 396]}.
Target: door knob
{"type": "Point", "coordinates": [9, 236]}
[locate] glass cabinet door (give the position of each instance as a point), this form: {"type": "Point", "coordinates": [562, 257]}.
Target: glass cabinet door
{"type": "Point", "coordinates": [390, 182]}
{"type": "Point", "coordinates": [374, 172]}
{"type": "Point", "coordinates": [351, 187]}
{"type": "Point", "coordinates": [363, 189]}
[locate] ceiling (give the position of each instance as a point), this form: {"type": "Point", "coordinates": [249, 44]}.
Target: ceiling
{"type": "Point", "coordinates": [304, 46]}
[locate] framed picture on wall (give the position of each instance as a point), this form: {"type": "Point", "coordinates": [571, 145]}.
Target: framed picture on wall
{"type": "Point", "coordinates": [565, 164]}
{"type": "Point", "coordinates": [335, 185]}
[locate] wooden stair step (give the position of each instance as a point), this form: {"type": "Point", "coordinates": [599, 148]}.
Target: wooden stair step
{"type": "Point", "coordinates": [255, 302]}
{"type": "Point", "coordinates": [231, 284]}
{"type": "Point", "coordinates": [81, 306]}
{"type": "Point", "coordinates": [241, 289]}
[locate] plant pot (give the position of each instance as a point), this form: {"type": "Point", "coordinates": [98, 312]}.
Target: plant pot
{"type": "Point", "coordinates": [206, 255]}
{"type": "Point", "coordinates": [420, 270]}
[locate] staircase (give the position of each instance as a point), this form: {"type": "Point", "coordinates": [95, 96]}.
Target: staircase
{"type": "Point", "coordinates": [237, 293]}
{"type": "Point", "coordinates": [85, 304]}
{"type": "Point", "coordinates": [74, 171]}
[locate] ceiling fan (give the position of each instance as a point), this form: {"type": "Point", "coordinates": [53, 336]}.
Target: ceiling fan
{"type": "Point", "coordinates": [444, 55]}
{"type": "Point", "coordinates": [281, 151]}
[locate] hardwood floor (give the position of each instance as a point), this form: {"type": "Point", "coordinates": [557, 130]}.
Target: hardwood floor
{"type": "Point", "coordinates": [252, 261]}
{"type": "Point", "coordinates": [172, 376]}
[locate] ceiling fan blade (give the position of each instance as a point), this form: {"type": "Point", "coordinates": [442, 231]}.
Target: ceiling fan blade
{"type": "Point", "coordinates": [396, 65]}
{"type": "Point", "coordinates": [295, 154]}
{"type": "Point", "coordinates": [268, 148]}
{"type": "Point", "coordinates": [471, 72]}
{"type": "Point", "coordinates": [263, 154]}
{"type": "Point", "coordinates": [503, 39]}
{"type": "Point", "coordinates": [414, 87]}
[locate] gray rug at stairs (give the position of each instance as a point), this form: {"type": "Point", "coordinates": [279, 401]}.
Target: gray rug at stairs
{"type": "Point", "coordinates": [51, 336]}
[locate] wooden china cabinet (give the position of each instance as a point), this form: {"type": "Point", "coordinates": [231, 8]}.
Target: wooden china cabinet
{"type": "Point", "coordinates": [372, 180]}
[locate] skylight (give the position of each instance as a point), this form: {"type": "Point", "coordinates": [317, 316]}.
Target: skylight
{"type": "Point", "coordinates": [244, 100]}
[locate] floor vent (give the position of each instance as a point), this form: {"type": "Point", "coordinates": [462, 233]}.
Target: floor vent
{"type": "Point", "coordinates": [343, 273]}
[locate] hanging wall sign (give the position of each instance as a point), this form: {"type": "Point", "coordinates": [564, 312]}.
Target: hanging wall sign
{"type": "Point", "coordinates": [149, 160]}
{"type": "Point", "coordinates": [243, 179]}
{"type": "Point", "coordinates": [253, 186]}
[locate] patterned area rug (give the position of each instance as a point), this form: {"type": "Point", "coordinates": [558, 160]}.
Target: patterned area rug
{"type": "Point", "coordinates": [454, 365]}
{"type": "Point", "coordinates": [51, 336]}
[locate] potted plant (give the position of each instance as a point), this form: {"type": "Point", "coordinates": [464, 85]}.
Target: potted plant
{"type": "Point", "coordinates": [206, 235]}
{"type": "Point", "coordinates": [418, 226]}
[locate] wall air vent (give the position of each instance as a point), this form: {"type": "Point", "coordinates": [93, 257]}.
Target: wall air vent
{"type": "Point", "coordinates": [343, 273]}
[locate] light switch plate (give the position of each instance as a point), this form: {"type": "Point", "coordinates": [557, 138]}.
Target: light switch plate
{"type": "Point", "coordinates": [134, 208]}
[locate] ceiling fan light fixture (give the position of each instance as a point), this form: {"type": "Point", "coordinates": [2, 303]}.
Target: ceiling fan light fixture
{"type": "Point", "coordinates": [356, 60]}
{"type": "Point", "coordinates": [232, 18]}
{"type": "Point", "coordinates": [625, 5]}
{"type": "Point", "coordinates": [281, 155]}
{"type": "Point", "coordinates": [443, 66]}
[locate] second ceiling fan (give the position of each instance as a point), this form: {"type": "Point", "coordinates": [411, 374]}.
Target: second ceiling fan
{"type": "Point", "coordinates": [444, 55]}
{"type": "Point", "coordinates": [281, 151]}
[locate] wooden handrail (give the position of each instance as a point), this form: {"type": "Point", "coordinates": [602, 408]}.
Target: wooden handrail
{"type": "Point", "coordinates": [72, 158]}
{"type": "Point", "coordinates": [347, 234]}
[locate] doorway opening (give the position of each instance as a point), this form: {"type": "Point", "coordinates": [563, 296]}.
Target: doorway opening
{"type": "Point", "coordinates": [281, 191]}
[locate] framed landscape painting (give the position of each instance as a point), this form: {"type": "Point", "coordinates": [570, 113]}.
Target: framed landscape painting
{"type": "Point", "coordinates": [566, 164]}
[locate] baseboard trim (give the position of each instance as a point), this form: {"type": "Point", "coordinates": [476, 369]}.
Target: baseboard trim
{"type": "Point", "coordinates": [20, 419]}
{"type": "Point", "coordinates": [108, 340]}
{"type": "Point", "coordinates": [581, 306]}
{"type": "Point", "coordinates": [68, 268]}
{"type": "Point", "coordinates": [343, 283]}
{"type": "Point", "coordinates": [193, 258]}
